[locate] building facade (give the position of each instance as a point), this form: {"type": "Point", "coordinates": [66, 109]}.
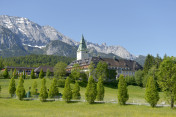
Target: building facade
{"type": "Point", "coordinates": [122, 66]}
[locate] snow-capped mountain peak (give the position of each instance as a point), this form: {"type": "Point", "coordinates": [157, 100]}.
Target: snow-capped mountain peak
{"type": "Point", "coordinates": [35, 35]}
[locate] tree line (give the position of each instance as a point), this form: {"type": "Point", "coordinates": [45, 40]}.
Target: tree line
{"type": "Point", "coordinates": [34, 60]}
{"type": "Point", "coordinates": [94, 91]}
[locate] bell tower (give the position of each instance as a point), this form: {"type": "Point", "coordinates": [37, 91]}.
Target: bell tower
{"type": "Point", "coordinates": [82, 51]}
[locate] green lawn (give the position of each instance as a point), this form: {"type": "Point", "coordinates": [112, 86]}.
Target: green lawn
{"type": "Point", "coordinates": [35, 108]}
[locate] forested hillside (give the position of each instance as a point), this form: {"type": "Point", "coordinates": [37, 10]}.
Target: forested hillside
{"type": "Point", "coordinates": [35, 60]}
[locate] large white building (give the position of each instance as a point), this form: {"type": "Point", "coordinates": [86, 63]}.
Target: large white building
{"type": "Point", "coordinates": [122, 66]}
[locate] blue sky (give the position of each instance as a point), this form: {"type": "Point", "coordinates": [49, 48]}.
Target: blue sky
{"type": "Point", "coordinates": [141, 26]}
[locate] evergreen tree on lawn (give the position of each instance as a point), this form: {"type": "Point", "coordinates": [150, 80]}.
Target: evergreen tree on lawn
{"type": "Point", "coordinates": [53, 91]}
{"type": "Point", "coordinates": [43, 92]}
{"type": "Point", "coordinates": [122, 91]}
{"type": "Point", "coordinates": [100, 90]}
{"type": "Point", "coordinates": [15, 75]}
{"type": "Point", "coordinates": [12, 87]}
{"type": "Point", "coordinates": [20, 92]}
{"type": "Point", "coordinates": [151, 94]}
{"type": "Point", "coordinates": [91, 91]}
{"type": "Point", "coordinates": [34, 88]}
{"type": "Point", "coordinates": [32, 74]}
{"type": "Point", "coordinates": [24, 75]}
{"type": "Point", "coordinates": [76, 91]}
{"type": "Point", "coordinates": [67, 94]}
{"type": "Point", "coordinates": [6, 73]}
{"type": "Point", "coordinates": [41, 74]}
{"type": "Point", "coordinates": [48, 73]}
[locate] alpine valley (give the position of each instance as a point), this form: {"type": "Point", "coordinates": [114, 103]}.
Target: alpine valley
{"type": "Point", "coordinates": [19, 36]}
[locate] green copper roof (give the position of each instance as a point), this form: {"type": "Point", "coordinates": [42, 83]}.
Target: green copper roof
{"type": "Point", "coordinates": [82, 45]}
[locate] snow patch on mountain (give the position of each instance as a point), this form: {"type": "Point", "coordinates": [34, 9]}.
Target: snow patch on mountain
{"type": "Point", "coordinates": [34, 35]}
{"type": "Point", "coordinates": [36, 46]}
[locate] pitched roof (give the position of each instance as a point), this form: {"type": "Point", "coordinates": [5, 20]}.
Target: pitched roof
{"type": "Point", "coordinates": [12, 67]}
{"type": "Point", "coordinates": [112, 63]}
{"type": "Point", "coordinates": [44, 68]}
{"type": "Point", "coordinates": [82, 45]}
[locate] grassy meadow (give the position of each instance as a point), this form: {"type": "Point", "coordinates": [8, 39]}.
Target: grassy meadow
{"type": "Point", "coordinates": [34, 108]}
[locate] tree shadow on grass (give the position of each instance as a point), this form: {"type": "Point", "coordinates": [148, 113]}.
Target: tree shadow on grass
{"type": "Point", "coordinates": [73, 101]}
{"type": "Point", "coordinates": [6, 98]}
{"type": "Point", "coordinates": [28, 99]}
{"type": "Point", "coordinates": [98, 103]}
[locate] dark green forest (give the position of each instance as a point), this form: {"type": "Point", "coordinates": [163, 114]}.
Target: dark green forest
{"type": "Point", "coordinates": [34, 60]}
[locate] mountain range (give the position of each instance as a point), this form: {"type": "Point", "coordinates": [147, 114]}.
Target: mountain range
{"type": "Point", "coordinates": [20, 36]}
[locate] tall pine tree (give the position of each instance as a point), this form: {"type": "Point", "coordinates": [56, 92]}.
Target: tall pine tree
{"type": "Point", "coordinates": [122, 91]}
{"type": "Point", "coordinates": [53, 91]}
{"type": "Point", "coordinates": [15, 75]}
{"type": "Point", "coordinates": [48, 73]}
{"type": "Point", "coordinates": [43, 91]}
{"type": "Point", "coordinates": [100, 90]}
{"type": "Point", "coordinates": [20, 91]}
{"type": "Point", "coordinates": [67, 94]}
{"type": "Point", "coordinates": [151, 93]}
{"type": "Point", "coordinates": [12, 87]}
{"type": "Point", "coordinates": [41, 74]}
{"type": "Point", "coordinates": [76, 91]}
{"type": "Point", "coordinates": [149, 62]}
{"type": "Point", "coordinates": [32, 74]}
{"type": "Point", "coordinates": [91, 91]}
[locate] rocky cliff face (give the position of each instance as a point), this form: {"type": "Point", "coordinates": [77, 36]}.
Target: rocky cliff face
{"type": "Point", "coordinates": [10, 44]}
{"type": "Point", "coordinates": [34, 35]}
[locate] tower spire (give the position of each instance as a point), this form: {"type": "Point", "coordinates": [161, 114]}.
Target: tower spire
{"type": "Point", "coordinates": [82, 51]}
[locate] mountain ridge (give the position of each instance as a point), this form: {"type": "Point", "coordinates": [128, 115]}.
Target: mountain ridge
{"type": "Point", "coordinates": [33, 34]}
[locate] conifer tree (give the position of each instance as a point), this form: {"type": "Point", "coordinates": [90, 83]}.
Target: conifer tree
{"type": "Point", "coordinates": [11, 73]}
{"type": "Point", "coordinates": [76, 91]}
{"type": "Point", "coordinates": [53, 91]}
{"type": "Point", "coordinates": [24, 75]}
{"type": "Point", "coordinates": [91, 91]}
{"type": "Point", "coordinates": [100, 90]}
{"type": "Point", "coordinates": [12, 87]}
{"type": "Point", "coordinates": [41, 74]}
{"type": "Point", "coordinates": [122, 91]}
{"type": "Point", "coordinates": [20, 91]}
{"type": "Point", "coordinates": [32, 74]}
{"type": "Point", "coordinates": [151, 93]}
{"type": "Point", "coordinates": [67, 94]}
{"type": "Point", "coordinates": [149, 62]}
{"type": "Point", "coordinates": [43, 92]}
{"type": "Point", "coordinates": [6, 73]}
{"type": "Point", "coordinates": [34, 88]}
{"type": "Point", "coordinates": [48, 73]}
{"type": "Point", "coordinates": [15, 75]}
